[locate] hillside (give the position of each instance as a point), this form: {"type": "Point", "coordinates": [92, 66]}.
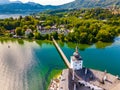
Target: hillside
{"type": "Point", "coordinates": [29, 7]}
{"type": "Point", "coordinates": [91, 3]}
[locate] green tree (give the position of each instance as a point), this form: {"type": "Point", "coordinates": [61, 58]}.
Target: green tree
{"type": "Point", "coordinates": [37, 35]}
{"type": "Point", "coordinates": [32, 27]}
{"type": "Point", "coordinates": [18, 31]}
{"type": "Point", "coordinates": [61, 37]}
{"type": "Point", "coordinates": [118, 30]}
{"type": "Point", "coordinates": [55, 35]}
{"type": "Point", "coordinates": [83, 37]}
{"type": "Point", "coordinates": [104, 35]}
{"type": "Point", "coordinates": [2, 30]}
{"type": "Point", "coordinates": [30, 35]}
{"type": "Point", "coordinates": [48, 27]}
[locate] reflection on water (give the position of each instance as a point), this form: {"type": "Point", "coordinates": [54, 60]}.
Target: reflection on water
{"type": "Point", "coordinates": [26, 65]}
{"type": "Point", "coordinates": [102, 44]}
{"type": "Point", "coordinates": [15, 61]}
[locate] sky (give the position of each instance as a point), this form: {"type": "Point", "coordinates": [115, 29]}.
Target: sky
{"type": "Point", "coordinates": [4, 1]}
{"type": "Point", "coordinates": [44, 2]}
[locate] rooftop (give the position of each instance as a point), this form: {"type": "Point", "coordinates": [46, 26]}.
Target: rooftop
{"type": "Point", "coordinates": [93, 77]}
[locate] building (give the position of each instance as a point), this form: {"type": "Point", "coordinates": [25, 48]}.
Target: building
{"type": "Point", "coordinates": [76, 61]}
{"type": "Point", "coordinates": [28, 31]}
{"type": "Point", "coordinates": [81, 78]}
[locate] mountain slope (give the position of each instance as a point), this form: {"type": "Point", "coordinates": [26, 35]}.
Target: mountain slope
{"type": "Point", "coordinates": [29, 7]}
{"type": "Point", "coordinates": [91, 3]}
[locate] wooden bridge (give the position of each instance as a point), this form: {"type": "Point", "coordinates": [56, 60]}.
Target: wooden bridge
{"type": "Point", "coordinates": [107, 86]}
{"type": "Point", "coordinates": [65, 60]}
{"type": "Point", "coordinates": [61, 53]}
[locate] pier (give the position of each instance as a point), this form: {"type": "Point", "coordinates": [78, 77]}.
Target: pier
{"type": "Point", "coordinates": [61, 53]}
{"type": "Point", "coordinates": [84, 78]}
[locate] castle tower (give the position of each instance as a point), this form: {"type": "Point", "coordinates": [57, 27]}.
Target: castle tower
{"type": "Point", "coordinates": [76, 61]}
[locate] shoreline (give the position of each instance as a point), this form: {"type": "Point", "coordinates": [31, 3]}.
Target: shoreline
{"type": "Point", "coordinates": [54, 82]}
{"type": "Point", "coordinates": [13, 15]}
{"type": "Point", "coordinates": [54, 78]}
{"type": "Point", "coordinates": [32, 39]}
{"type": "Point", "coordinates": [10, 38]}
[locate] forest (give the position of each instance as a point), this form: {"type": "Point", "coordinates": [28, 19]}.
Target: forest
{"type": "Point", "coordinates": [83, 25]}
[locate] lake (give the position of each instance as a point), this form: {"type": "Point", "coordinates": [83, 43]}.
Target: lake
{"type": "Point", "coordinates": [3, 16]}
{"type": "Point", "coordinates": [29, 65]}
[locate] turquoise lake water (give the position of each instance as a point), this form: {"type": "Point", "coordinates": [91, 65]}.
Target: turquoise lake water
{"type": "Point", "coordinates": [27, 65]}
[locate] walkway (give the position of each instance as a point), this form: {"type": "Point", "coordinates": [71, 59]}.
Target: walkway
{"type": "Point", "coordinates": [61, 53]}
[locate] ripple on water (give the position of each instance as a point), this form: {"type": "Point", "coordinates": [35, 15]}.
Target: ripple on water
{"type": "Point", "coordinates": [14, 65]}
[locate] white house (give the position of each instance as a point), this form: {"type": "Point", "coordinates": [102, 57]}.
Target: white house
{"type": "Point", "coordinates": [28, 31]}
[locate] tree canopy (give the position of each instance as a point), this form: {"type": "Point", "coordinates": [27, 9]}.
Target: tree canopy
{"type": "Point", "coordinates": [84, 25]}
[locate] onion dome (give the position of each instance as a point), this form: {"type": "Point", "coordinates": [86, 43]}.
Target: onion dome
{"type": "Point", "coordinates": [76, 54]}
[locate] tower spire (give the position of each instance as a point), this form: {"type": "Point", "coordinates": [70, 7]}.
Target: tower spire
{"type": "Point", "coordinates": [76, 49]}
